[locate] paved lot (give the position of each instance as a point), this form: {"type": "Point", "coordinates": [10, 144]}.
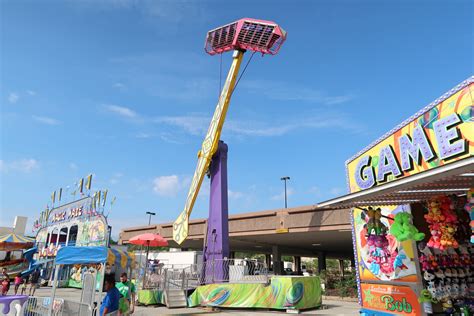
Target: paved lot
{"type": "Point", "coordinates": [330, 307]}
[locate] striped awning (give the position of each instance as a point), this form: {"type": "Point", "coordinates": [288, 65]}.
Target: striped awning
{"type": "Point", "coordinates": [120, 258]}
{"type": "Point", "coordinates": [14, 238]}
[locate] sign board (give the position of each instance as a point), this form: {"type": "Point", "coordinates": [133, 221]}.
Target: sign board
{"type": "Point", "coordinates": [396, 300]}
{"type": "Point", "coordinates": [440, 134]}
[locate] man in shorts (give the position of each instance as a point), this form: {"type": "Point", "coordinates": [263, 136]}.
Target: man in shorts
{"type": "Point", "coordinates": [34, 282]}
{"type": "Point", "coordinates": [128, 291]}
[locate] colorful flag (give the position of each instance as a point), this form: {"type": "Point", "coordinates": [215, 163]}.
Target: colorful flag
{"type": "Point", "coordinates": [53, 197]}
{"type": "Point", "coordinates": [113, 200]}
{"type": "Point", "coordinates": [60, 193]}
{"type": "Point", "coordinates": [81, 185]}
{"type": "Point", "coordinates": [98, 198]}
{"type": "Point", "coordinates": [88, 182]}
{"type": "Point", "coordinates": [104, 198]}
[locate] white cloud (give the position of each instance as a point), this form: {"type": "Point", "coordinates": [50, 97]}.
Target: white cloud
{"type": "Point", "coordinates": [13, 97]}
{"type": "Point", "coordinates": [46, 120]}
{"type": "Point", "coordinates": [316, 191]}
{"type": "Point", "coordinates": [116, 178]}
{"type": "Point", "coordinates": [198, 125]}
{"type": "Point", "coordinates": [73, 166]}
{"type": "Point", "coordinates": [121, 110]}
{"type": "Point", "coordinates": [142, 135]}
{"type": "Point", "coordinates": [288, 91]}
{"type": "Point", "coordinates": [31, 92]}
{"type": "Point", "coordinates": [118, 85]}
{"type": "Point", "coordinates": [22, 165]}
{"type": "Point", "coordinates": [281, 196]}
{"type": "Point", "coordinates": [235, 195]}
{"type": "Point", "coordinates": [192, 124]}
{"type": "Point", "coordinates": [336, 191]}
{"type": "Point", "coordinates": [167, 185]}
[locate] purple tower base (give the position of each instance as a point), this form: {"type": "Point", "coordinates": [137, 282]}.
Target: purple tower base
{"type": "Point", "coordinates": [216, 247]}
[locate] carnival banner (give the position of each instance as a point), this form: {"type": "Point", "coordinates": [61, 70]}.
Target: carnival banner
{"type": "Point", "coordinates": [444, 133]}
{"type": "Point", "coordinates": [381, 256]}
{"type": "Point", "coordinates": [282, 293]}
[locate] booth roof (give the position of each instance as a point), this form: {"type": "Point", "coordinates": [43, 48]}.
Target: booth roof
{"type": "Point", "coordinates": [81, 255]}
{"type": "Point", "coordinates": [86, 255]}
{"type": "Point", "coordinates": [453, 178]}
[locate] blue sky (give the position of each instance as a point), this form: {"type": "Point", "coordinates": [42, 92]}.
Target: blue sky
{"type": "Point", "coordinates": [123, 89]}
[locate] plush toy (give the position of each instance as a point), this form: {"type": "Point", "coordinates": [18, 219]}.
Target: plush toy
{"type": "Point", "coordinates": [398, 262]}
{"type": "Point", "coordinates": [435, 240]}
{"type": "Point", "coordinates": [469, 207]}
{"type": "Point", "coordinates": [434, 213]}
{"type": "Point", "coordinates": [379, 226]}
{"type": "Point", "coordinates": [447, 236]}
{"type": "Point", "coordinates": [425, 296]}
{"type": "Point", "coordinates": [403, 229]}
{"type": "Point", "coordinates": [371, 221]}
{"type": "Point", "coordinates": [374, 224]}
{"type": "Point", "coordinates": [448, 307]}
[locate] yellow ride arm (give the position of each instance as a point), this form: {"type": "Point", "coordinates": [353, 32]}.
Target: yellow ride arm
{"type": "Point", "coordinates": [208, 149]}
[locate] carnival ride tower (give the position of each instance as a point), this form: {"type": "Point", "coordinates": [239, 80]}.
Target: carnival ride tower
{"type": "Point", "coordinates": [246, 34]}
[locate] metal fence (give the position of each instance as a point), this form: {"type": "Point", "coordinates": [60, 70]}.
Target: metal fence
{"type": "Point", "coordinates": [216, 271]}
{"type": "Point", "coordinates": [233, 271]}
{"type": "Point", "coordinates": [41, 306]}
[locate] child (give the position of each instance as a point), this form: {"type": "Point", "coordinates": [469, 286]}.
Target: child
{"type": "Point", "coordinates": [5, 286]}
{"type": "Point", "coordinates": [18, 281]}
{"type": "Point", "coordinates": [24, 286]}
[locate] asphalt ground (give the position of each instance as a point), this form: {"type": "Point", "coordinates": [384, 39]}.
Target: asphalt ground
{"type": "Point", "coordinates": [330, 306]}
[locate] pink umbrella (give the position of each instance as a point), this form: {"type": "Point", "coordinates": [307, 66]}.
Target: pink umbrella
{"type": "Point", "coordinates": [148, 239]}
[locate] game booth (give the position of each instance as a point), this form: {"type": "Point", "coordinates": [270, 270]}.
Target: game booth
{"type": "Point", "coordinates": [412, 201]}
{"type": "Point", "coordinates": [78, 225]}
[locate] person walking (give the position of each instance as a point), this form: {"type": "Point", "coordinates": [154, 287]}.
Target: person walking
{"type": "Point", "coordinates": [5, 281]}
{"type": "Point", "coordinates": [17, 282]}
{"type": "Point", "coordinates": [34, 282]}
{"type": "Point", "coordinates": [111, 300]}
{"type": "Point", "coordinates": [24, 285]}
{"type": "Point", "coordinates": [128, 291]}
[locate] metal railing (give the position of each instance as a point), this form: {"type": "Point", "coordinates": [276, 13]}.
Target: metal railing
{"type": "Point", "coordinates": [216, 271]}
{"type": "Point", "coordinates": [233, 271]}
{"type": "Point", "coordinates": [41, 306]}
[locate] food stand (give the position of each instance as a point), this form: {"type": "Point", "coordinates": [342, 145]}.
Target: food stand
{"type": "Point", "coordinates": [412, 206]}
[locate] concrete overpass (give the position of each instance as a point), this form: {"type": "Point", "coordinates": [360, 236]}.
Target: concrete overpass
{"type": "Point", "coordinates": [302, 231]}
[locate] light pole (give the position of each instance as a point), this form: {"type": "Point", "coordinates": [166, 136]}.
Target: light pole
{"type": "Point", "coordinates": [285, 179]}
{"type": "Point", "coordinates": [149, 219]}
{"type": "Point", "coordinates": [147, 250]}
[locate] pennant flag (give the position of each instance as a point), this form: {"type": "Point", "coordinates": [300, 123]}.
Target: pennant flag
{"type": "Point", "coordinates": [113, 201]}
{"type": "Point", "coordinates": [104, 198]}
{"type": "Point", "coordinates": [53, 197]}
{"type": "Point", "coordinates": [60, 193]}
{"type": "Point", "coordinates": [88, 182]}
{"type": "Point", "coordinates": [81, 185]}
{"type": "Point", "coordinates": [98, 198]}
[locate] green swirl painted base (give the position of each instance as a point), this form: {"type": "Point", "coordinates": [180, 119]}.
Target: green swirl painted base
{"type": "Point", "coordinates": [284, 292]}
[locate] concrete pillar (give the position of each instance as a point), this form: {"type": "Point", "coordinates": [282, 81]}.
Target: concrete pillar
{"type": "Point", "coordinates": [321, 261]}
{"type": "Point", "coordinates": [297, 264]}
{"type": "Point", "coordinates": [268, 260]}
{"type": "Point", "coordinates": [341, 266]}
{"type": "Point", "coordinates": [277, 263]}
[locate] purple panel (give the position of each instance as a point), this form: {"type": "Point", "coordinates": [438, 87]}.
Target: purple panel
{"type": "Point", "coordinates": [217, 241]}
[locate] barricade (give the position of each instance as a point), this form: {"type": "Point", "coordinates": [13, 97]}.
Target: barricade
{"type": "Point", "coordinates": [40, 306]}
